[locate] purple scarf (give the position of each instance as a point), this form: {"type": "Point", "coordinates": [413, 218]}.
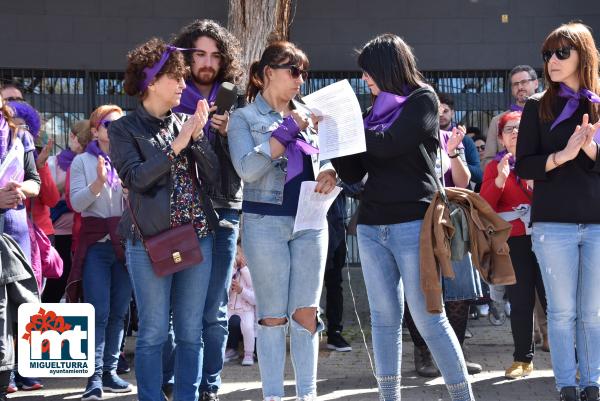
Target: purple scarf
{"type": "Point", "coordinates": [189, 101]}
{"type": "Point", "coordinates": [515, 107]}
{"type": "Point", "coordinates": [386, 109]}
{"type": "Point", "coordinates": [65, 158]}
{"type": "Point", "coordinates": [4, 135]}
{"type": "Point", "coordinates": [573, 102]}
{"type": "Point", "coordinates": [511, 161]}
{"type": "Point", "coordinates": [111, 174]}
{"type": "Point", "coordinates": [287, 135]}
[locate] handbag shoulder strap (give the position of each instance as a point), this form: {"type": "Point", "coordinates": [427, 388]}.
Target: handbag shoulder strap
{"type": "Point", "coordinates": [435, 179]}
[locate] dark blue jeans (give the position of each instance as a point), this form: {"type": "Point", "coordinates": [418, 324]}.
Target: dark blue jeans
{"type": "Point", "coordinates": [183, 293]}
{"type": "Point", "coordinates": [107, 287]}
{"type": "Point", "coordinates": [215, 331]}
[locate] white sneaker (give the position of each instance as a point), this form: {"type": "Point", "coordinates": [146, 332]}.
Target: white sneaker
{"type": "Point", "coordinates": [484, 310]}
{"type": "Point", "coordinates": [507, 308]}
{"type": "Point", "coordinates": [248, 360]}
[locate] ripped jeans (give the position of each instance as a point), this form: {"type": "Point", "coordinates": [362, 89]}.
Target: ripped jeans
{"type": "Point", "coordinates": [287, 274]}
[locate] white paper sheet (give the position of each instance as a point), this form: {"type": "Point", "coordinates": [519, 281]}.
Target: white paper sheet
{"type": "Point", "coordinates": [341, 132]}
{"type": "Point", "coordinates": [313, 207]}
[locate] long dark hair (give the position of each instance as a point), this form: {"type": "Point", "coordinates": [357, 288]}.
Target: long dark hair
{"type": "Point", "coordinates": [231, 68]}
{"type": "Point", "coordinates": [578, 36]}
{"type": "Point", "coordinates": [275, 53]}
{"type": "Point", "coordinates": [389, 61]}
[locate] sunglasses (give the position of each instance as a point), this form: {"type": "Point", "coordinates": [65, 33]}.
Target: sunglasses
{"type": "Point", "coordinates": [14, 99]}
{"type": "Point", "coordinates": [294, 70]}
{"type": "Point", "coordinates": [562, 54]}
{"type": "Point", "coordinates": [480, 147]}
{"type": "Point", "coordinates": [105, 123]}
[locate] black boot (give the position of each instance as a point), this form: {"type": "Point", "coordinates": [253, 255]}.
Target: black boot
{"type": "Point", "coordinates": [424, 364]}
{"type": "Point", "coordinates": [590, 394]}
{"type": "Point", "coordinates": [4, 380]}
{"type": "Point", "coordinates": [569, 394]}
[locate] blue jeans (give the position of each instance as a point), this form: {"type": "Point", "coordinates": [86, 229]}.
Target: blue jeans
{"type": "Point", "coordinates": [390, 263]}
{"type": "Point", "coordinates": [569, 259]}
{"type": "Point", "coordinates": [287, 274]}
{"type": "Point", "coordinates": [107, 287]}
{"type": "Point", "coordinates": [184, 293]}
{"type": "Point", "coordinates": [215, 332]}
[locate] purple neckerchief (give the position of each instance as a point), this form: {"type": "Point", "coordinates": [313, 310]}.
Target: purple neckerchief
{"type": "Point", "coordinates": [511, 161]}
{"type": "Point", "coordinates": [287, 135]}
{"type": "Point", "coordinates": [65, 158]}
{"type": "Point", "coordinates": [573, 102]}
{"type": "Point", "coordinates": [386, 109]}
{"type": "Point", "coordinates": [4, 135]}
{"type": "Point", "coordinates": [189, 102]}
{"type": "Point", "coordinates": [515, 107]}
{"type": "Point", "coordinates": [112, 178]}
{"type": "Point", "coordinates": [151, 72]}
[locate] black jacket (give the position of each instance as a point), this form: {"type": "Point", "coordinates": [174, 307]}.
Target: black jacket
{"type": "Point", "coordinates": [227, 192]}
{"type": "Point", "coordinates": [145, 170]}
{"type": "Point", "coordinates": [399, 188]}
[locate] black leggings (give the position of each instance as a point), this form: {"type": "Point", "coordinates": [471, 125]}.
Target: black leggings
{"type": "Point", "coordinates": [55, 287]}
{"type": "Point", "coordinates": [522, 296]}
{"type": "Point", "coordinates": [457, 313]}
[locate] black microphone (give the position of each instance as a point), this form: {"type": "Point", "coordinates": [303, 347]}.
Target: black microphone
{"type": "Point", "coordinates": [226, 97]}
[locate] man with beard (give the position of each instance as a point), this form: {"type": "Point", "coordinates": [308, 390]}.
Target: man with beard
{"type": "Point", "coordinates": [523, 83]}
{"type": "Point", "coordinates": [214, 60]}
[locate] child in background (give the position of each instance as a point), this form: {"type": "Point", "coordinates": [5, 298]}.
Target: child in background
{"type": "Point", "coordinates": [242, 304]}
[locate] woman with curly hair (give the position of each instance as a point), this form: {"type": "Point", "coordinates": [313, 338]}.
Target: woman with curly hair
{"type": "Point", "coordinates": [157, 154]}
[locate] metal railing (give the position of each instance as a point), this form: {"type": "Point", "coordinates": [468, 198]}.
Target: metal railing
{"type": "Point", "coordinates": [63, 97]}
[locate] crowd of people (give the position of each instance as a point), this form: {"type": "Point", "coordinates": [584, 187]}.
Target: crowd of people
{"type": "Point", "coordinates": [226, 185]}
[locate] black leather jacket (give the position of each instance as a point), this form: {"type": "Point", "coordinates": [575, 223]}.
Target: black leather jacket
{"type": "Point", "coordinates": [227, 192]}
{"type": "Point", "coordinates": [145, 170]}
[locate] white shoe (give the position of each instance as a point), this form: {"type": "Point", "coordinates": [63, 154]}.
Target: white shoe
{"type": "Point", "coordinates": [507, 308]}
{"type": "Point", "coordinates": [272, 398]}
{"type": "Point", "coordinates": [248, 360]}
{"type": "Point", "coordinates": [484, 310]}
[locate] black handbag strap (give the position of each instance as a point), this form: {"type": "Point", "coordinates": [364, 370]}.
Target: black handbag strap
{"type": "Point", "coordinates": [435, 179]}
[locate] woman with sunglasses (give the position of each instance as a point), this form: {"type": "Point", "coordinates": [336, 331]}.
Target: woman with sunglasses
{"type": "Point", "coordinates": [395, 198]}
{"type": "Point", "coordinates": [273, 149]}
{"type": "Point", "coordinates": [98, 264]}
{"type": "Point", "coordinates": [557, 150]}
{"type": "Point", "coordinates": [510, 196]}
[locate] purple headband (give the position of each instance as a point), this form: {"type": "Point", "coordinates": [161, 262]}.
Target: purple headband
{"type": "Point", "coordinates": [151, 72]}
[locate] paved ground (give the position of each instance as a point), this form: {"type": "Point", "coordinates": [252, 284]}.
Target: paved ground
{"type": "Point", "coordinates": [348, 376]}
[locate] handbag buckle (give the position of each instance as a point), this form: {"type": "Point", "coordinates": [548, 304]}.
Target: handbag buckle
{"type": "Point", "coordinates": [177, 257]}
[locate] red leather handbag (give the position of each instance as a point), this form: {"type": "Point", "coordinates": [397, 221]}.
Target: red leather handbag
{"type": "Point", "coordinates": [175, 249]}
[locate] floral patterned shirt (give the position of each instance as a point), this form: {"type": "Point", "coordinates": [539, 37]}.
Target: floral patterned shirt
{"type": "Point", "coordinates": [185, 197]}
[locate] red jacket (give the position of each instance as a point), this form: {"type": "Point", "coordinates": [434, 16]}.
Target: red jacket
{"type": "Point", "coordinates": [47, 198]}
{"type": "Point", "coordinates": [505, 199]}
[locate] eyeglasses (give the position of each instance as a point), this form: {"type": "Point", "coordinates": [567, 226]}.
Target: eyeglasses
{"type": "Point", "coordinates": [14, 99]}
{"type": "Point", "coordinates": [509, 129]}
{"type": "Point", "coordinates": [295, 71]}
{"type": "Point", "coordinates": [522, 82]}
{"type": "Point", "coordinates": [562, 54]}
{"type": "Point", "coordinates": [105, 123]}
{"type": "Point", "coordinates": [480, 147]}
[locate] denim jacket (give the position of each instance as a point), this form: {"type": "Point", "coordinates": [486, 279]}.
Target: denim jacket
{"type": "Point", "coordinates": [249, 131]}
